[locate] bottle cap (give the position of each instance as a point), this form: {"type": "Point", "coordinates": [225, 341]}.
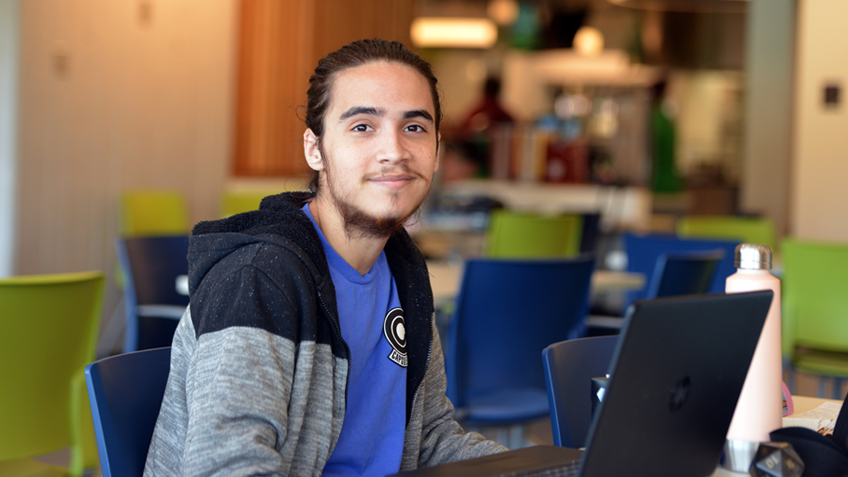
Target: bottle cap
{"type": "Point", "coordinates": [753, 256]}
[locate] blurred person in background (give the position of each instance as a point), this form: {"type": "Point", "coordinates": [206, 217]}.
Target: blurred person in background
{"type": "Point", "coordinates": [665, 177]}
{"type": "Point", "coordinates": [475, 136]}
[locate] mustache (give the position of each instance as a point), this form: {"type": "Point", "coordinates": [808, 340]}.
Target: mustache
{"type": "Point", "coordinates": [395, 170]}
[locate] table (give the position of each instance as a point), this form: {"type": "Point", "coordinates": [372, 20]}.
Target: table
{"type": "Point", "coordinates": [445, 280]}
{"type": "Point", "coordinates": [445, 277]}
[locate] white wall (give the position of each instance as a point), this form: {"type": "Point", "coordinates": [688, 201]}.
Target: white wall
{"type": "Point", "coordinates": [9, 20]}
{"type": "Point", "coordinates": [138, 104]}
{"type": "Point", "coordinates": [819, 196]}
{"type": "Point", "coordinates": [706, 113]}
{"type": "Point", "coordinates": [768, 109]}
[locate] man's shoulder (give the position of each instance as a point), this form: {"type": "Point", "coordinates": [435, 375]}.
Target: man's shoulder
{"type": "Point", "coordinates": [266, 284]}
{"type": "Point", "coordinates": [274, 257]}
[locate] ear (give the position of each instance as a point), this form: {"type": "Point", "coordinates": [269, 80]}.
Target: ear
{"type": "Point", "coordinates": [438, 151]}
{"type": "Point", "coordinates": [312, 151]}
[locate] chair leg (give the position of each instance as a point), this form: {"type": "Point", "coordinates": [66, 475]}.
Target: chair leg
{"type": "Point", "coordinates": [822, 386]}
{"type": "Point", "coordinates": [790, 375]}
{"type": "Point", "coordinates": [503, 436]}
{"type": "Point", "coordinates": [516, 437]}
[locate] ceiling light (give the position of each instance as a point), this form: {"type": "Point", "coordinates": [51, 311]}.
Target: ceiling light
{"type": "Point", "coordinates": [503, 12]}
{"type": "Point", "coordinates": [435, 32]}
{"type": "Point", "coordinates": [588, 41]}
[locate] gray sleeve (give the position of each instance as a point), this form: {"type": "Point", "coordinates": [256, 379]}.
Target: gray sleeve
{"type": "Point", "coordinates": [240, 398]}
{"type": "Point", "coordinates": [226, 414]}
{"type": "Point", "coordinates": [442, 439]}
{"type": "Point", "coordinates": [237, 390]}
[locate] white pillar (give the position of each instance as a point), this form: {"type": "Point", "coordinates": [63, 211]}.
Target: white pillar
{"type": "Point", "coordinates": [768, 109]}
{"type": "Point", "coordinates": [9, 21]}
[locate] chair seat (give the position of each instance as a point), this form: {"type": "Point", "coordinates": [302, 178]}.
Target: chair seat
{"type": "Point", "coordinates": [821, 362]}
{"type": "Point", "coordinates": [30, 468]}
{"type": "Point", "coordinates": [511, 405]}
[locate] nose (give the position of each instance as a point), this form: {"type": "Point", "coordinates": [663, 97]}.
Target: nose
{"type": "Point", "coordinates": [392, 148]}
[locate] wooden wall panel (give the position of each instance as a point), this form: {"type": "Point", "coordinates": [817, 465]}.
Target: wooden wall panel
{"type": "Point", "coordinates": [280, 41]}
{"type": "Point", "coordinates": [338, 22]}
{"type": "Point", "coordinates": [274, 51]}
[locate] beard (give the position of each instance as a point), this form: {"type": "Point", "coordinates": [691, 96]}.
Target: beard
{"type": "Point", "coordinates": [359, 223]}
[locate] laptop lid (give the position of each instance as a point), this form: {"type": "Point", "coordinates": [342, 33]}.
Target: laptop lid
{"type": "Point", "coordinates": [675, 378]}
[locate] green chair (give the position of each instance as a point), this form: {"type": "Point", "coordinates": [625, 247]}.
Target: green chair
{"type": "Point", "coordinates": [237, 202]}
{"type": "Point", "coordinates": [154, 212]}
{"type": "Point", "coordinates": [815, 309]}
{"type": "Point", "coordinates": [745, 229]}
{"type": "Point", "coordinates": [525, 235]}
{"type": "Point", "coordinates": [48, 333]}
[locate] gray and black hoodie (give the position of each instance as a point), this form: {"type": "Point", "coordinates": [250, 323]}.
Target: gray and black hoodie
{"type": "Point", "coordinates": [259, 369]}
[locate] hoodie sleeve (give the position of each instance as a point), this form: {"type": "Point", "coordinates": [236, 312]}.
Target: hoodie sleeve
{"type": "Point", "coordinates": [256, 363]}
{"type": "Point", "coordinates": [442, 439]}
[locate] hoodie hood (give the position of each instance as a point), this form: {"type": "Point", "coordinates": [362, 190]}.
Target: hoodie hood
{"type": "Point", "coordinates": [279, 221]}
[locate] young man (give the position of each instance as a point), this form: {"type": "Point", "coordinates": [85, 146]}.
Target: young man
{"type": "Point", "coordinates": [309, 347]}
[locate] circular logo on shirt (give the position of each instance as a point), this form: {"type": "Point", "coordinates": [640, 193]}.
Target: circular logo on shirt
{"type": "Point", "coordinates": [395, 332]}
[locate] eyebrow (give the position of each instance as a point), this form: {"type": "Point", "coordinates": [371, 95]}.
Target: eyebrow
{"type": "Point", "coordinates": [371, 111]}
{"type": "Point", "coordinates": [418, 113]}
{"type": "Point", "coordinates": [380, 112]}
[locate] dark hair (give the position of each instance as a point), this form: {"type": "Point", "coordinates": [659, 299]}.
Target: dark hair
{"type": "Point", "coordinates": [354, 54]}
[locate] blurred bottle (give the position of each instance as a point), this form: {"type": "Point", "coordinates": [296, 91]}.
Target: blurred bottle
{"type": "Point", "coordinates": [760, 407]}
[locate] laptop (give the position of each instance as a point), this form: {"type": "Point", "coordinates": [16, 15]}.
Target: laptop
{"type": "Point", "coordinates": [675, 378]}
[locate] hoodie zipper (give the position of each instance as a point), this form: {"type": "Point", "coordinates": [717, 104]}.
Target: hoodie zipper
{"type": "Point", "coordinates": [338, 330]}
{"type": "Point", "coordinates": [426, 367]}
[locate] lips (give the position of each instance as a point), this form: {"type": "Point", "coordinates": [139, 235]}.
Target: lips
{"type": "Point", "coordinates": [393, 180]}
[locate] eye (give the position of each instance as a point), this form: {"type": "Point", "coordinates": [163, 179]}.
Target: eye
{"type": "Point", "coordinates": [361, 128]}
{"type": "Point", "coordinates": [415, 128]}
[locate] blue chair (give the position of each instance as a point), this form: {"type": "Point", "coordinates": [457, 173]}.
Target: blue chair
{"type": "Point", "coordinates": [507, 312]}
{"type": "Point", "coordinates": [569, 368]}
{"type": "Point", "coordinates": [125, 393]}
{"type": "Point", "coordinates": [684, 273]}
{"type": "Point", "coordinates": [149, 269]}
{"type": "Point", "coordinates": [644, 250]}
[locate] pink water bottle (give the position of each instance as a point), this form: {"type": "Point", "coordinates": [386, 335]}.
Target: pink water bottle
{"type": "Point", "coordinates": [760, 407]}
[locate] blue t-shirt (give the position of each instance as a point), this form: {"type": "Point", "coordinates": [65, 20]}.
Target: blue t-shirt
{"type": "Point", "coordinates": [371, 440]}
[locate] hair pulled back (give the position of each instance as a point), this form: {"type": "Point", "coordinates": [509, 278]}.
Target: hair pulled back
{"type": "Point", "coordinates": [354, 54]}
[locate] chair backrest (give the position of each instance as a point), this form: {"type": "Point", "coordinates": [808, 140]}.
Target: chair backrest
{"type": "Point", "coordinates": [682, 273]}
{"type": "Point", "coordinates": [644, 250]}
{"type": "Point", "coordinates": [590, 233]}
{"type": "Point", "coordinates": [149, 269]}
{"type": "Point", "coordinates": [815, 302]}
{"type": "Point", "coordinates": [744, 229]}
{"type": "Point", "coordinates": [153, 212]}
{"type": "Point", "coordinates": [507, 312]}
{"type": "Point", "coordinates": [126, 392]}
{"type": "Point", "coordinates": [238, 202]}
{"type": "Point", "coordinates": [569, 368]}
{"type": "Point", "coordinates": [525, 235]}
{"type": "Point", "coordinates": [48, 332]}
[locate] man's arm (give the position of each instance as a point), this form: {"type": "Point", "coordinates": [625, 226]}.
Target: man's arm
{"type": "Point", "coordinates": [247, 382]}
{"type": "Point", "coordinates": [442, 439]}
{"type": "Point", "coordinates": [238, 387]}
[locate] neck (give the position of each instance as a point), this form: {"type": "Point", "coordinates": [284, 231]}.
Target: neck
{"type": "Point", "coordinates": [360, 252]}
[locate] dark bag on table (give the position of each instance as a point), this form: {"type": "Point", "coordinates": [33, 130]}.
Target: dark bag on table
{"type": "Point", "coordinates": [822, 457]}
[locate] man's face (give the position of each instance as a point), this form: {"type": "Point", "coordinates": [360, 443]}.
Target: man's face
{"type": "Point", "coordinates": [379, 149]}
